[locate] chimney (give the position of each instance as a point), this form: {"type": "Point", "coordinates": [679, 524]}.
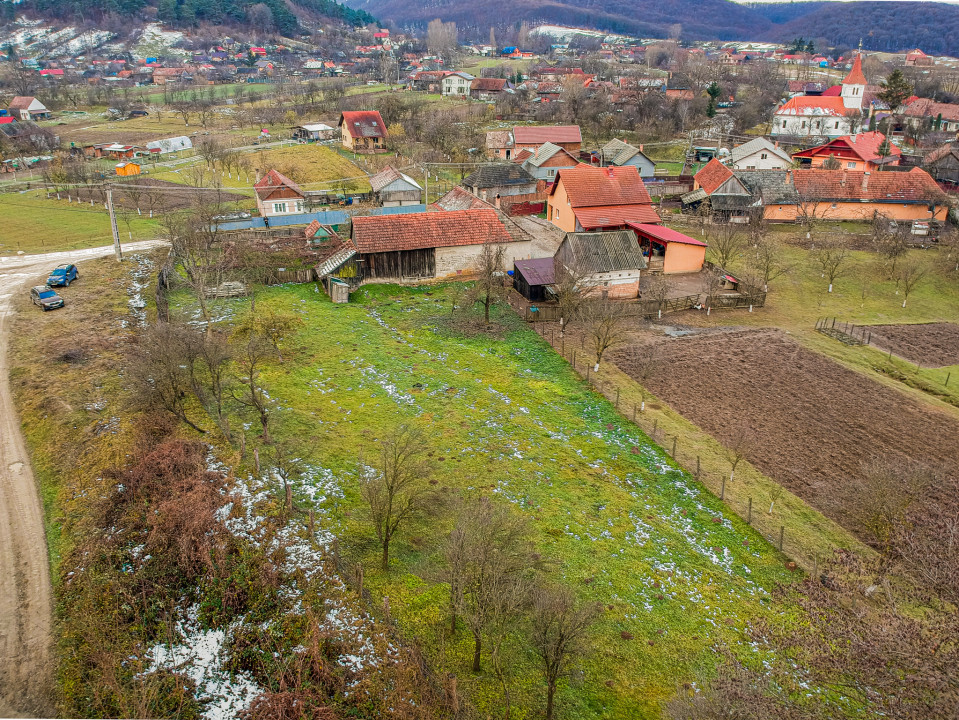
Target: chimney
{"type": "Point", "coordinates": [609, 171]}
{"type": "Point", "coordinates": [641, 147]}
{"type": "Point", "coordinates": [497, 201]}
{"type": "Point", "coordinates": [865, 181]}
{"type": "Point", "coordinates": [853, 137]}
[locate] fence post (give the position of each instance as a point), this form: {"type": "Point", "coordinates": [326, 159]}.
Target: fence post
{"type": "Point", "coordinates": [674, 447]}
{"type": "Point", "coordinates": [749, 513]}
{"type": "Point", "coordinates": [634, 405]}
{"type": "Point", "coordinates": [722, 489]}
{"type": "Point", "coordinates": [815, 566]}
{"type": "Point", "coordinates": [617, 398]}
{"type": "Point", "coordinates": [948, 375]}
{"type": "Point", "coordinates": [782, 531]}
{"type": "Point", "coordinates": [587, 373]}
{"type": "Point", "coordinates": [655, 425]}
{"type": "Point", "coordinates": [697, 467]}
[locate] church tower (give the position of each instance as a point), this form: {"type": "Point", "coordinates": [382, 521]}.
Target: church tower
{"type": "Point", "coordinates": [854, 85]}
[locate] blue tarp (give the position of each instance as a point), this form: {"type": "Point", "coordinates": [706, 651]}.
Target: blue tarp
{"type": "Point", "coordinates": [328, 217]}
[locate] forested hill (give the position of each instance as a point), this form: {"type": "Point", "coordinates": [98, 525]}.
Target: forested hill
{"type": "Point", "coordinates": [888, 26]}
{"type": "Point", "coordinates": [282, 14]}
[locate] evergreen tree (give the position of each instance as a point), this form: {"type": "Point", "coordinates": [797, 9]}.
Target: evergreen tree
{"type": "Point", "coordinates": [895, 89]}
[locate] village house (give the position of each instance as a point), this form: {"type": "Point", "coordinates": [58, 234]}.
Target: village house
{"type": "Point", "coordinates": [499, 144]}
{"type": "Point", "coordinates": [277, 195]}
{"type": "Point", "coordinates": [620, 154]}
{"type": "Point", "coordinates": [917, 58]}
{"type": "Point", "coordinates": [457, 84]}
{"type": "Point", "coordinates": [27, 107]}
{"type": "Point", "coordinates": [824, 116]}
{"type": "Point", "coordinates": [431, 245]}
{"type": "Point", "coordinates": [363, 131]}
{"type": "Point", "coordinates": [934, 115]}
{"type": "Point", "coordinates": [502, 185]}
{"type": "Point", "coordinates": [587, 198]}
{"type": "Point", "coordinates": [395, 189]}
{"type": "Point", "coordinates": [546, 161]}
{"type": "Point", "coordinates": [852, 152]}
{"type": "Point", "coordinates": [488, 89]}
{"type": "Point", "coordinates": [531, 137]}
{"type": "Point", "coordinates": [608, 262]}
{"type": "Point", "coordinates": [759, 154]}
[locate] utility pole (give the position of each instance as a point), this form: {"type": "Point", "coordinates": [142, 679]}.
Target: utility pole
{"type": "Point", "coordinates": [113, 224]}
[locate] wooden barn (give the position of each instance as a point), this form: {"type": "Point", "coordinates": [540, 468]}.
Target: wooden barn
{"type": "Point", "coordinates": [394, 189]}
{"type": "Point", "coordinates": [127, 169]}
{"type": "Point", "coordinates": [532, 278]}
{"type": "Point", "coordinates": [424, 246]}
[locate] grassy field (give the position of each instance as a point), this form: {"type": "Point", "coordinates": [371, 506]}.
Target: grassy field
{"type": "Point", "coordinates": [507, 418]}
{"type": "Point", "coordinates": [33, 224]}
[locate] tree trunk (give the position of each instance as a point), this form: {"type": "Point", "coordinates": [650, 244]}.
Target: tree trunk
{"type": "Point", "coordinates": [386, 554]}
{"type": "Point", "coordinates": [550, 691]}
{"type": "Point", "coordinates": [477, 651]}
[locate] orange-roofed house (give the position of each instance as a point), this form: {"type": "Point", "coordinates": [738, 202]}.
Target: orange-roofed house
{"type": "Point", "coordinates": [587, 198]}
{"type": "Point", "coordinates": [824, 116]}
{"type": "Point", "coordinates": [712, 177]}
{"type": "Point", "coordinates": [363, 131]}
{"type": "Point", "coordinates": [853, 152]}
{"type": "Point", "coordinates": [276, 194]}
{"type": "Point", "coordinates": [431, 245]}
{"type": "Point", "coordinates": [531, 137]}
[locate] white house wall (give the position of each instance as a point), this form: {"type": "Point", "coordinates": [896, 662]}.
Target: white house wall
{"type": "Point", "coordinates": [460, 260]}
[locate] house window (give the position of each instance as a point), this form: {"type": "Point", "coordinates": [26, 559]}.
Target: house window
{"type": "Point", "coordinates": [851, 165]}
{"type": "Point", "coordinates": [784, 124]}
{"type": "Point", "coordinates": [803, 124]}
{"type": "Point", "coordinates": [837, 124]}
{"type": "Point", "coordinates": [550, 173]}
{"type": "Point", "coordinates": [279, 207]}
{"type": "Point", "coordinates": [763, 156]}
{"type": "Point", "coordinates": [833, 206]}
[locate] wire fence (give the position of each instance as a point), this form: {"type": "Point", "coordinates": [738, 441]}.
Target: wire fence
{"type": "Point", "coordinates": [756, 511]}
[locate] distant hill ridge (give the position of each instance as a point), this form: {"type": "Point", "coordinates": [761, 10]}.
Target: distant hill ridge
{"type": "Point", "coordinates": [883, 26]}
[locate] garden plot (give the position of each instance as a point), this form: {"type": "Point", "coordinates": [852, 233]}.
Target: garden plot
{"type": "Point", "coordinates": [505, 416]}
{"type": "Point", "coordinates": [930, 344]}
{"type": "Point", "coordinates": [814, 422]}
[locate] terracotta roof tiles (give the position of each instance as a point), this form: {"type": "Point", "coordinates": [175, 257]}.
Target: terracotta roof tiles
{"type": "Point", "coordinates": [588, 186]}
{"type": "Point", "coordinates": [416, 231]}
{"type": "Point", "coordinates": [712, 175]}
{"type": "Point", "coordinates": [539, 134]}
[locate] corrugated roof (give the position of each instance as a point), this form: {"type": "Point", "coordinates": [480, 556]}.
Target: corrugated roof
{"type": "Point", "coordinates": [617, 152]}
{"type": "Point", "coordinates": [598, 252]}
{"type": "Point", "coordinates": [272, 180]}
{"type": "Point", "coordinates": [755, 145]}
{"type": "Point", "coordinates": [544, 152]}
{"type": "Point", "coordinates": [428, 230]}
{"type": "Point", "coordinates": [538, 271]}
{"type": "Point", "coordinates": [667, 235]}
{"type": "Point", "coordinates": [499, 175]}
{"type": "Point", "coordinates": [389, 175]}
{"type": "Point", "coordinates": [460, 199]}
{"type": "Point", "coordinates": [538, 134]}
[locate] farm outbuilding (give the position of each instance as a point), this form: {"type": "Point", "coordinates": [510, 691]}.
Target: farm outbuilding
{"type": "Point", "coordinates": [127, 169]}
{"type": "Point", "coordinates": [532, 278]}
{"type": "Point", "coordinates": [669, 251]}
{"type": "Point", "coordinates": [314, 132]}
{"type": "Point", "coordinates": [395, 189]}
{"type": "Point", "coordinates": [607, 261]}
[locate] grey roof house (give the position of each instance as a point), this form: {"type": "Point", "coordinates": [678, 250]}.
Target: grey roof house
{"type": "Point", "coordinates": [618, 153]}
{"type": "Point", "coordinates": [492, 182]}
{"type": "Point", "coordinates": [394, 189]}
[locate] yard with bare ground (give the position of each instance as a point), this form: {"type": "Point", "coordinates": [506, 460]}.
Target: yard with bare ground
{"type": "Point", "coordinates": [813, 424]}
{"type": "Point", "coordinates": [932, 344]}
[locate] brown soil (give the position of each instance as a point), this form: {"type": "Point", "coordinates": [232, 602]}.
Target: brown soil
{"type": "Point", "coordinates": [932, 344]}
{"type": "Point", "coordinates": [812, 423]}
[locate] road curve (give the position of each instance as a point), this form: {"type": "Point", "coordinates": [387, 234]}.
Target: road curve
{"type": "Point", "coordinates": [27, 662]}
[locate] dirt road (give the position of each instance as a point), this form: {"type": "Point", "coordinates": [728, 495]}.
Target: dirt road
{"type": "Point", "coordinates": [26, 654]}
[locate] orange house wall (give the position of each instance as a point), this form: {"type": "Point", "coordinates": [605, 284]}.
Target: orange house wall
{"type": "Point", "coordinates": [558, 210]}
{"type": "Point", "coordinates": [682, 258]}
{"type": "Point", "coordinates": [857, 211]}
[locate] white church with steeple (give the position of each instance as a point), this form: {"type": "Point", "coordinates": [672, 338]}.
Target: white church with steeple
{"type": "Point", "coordinates": [827, 115]}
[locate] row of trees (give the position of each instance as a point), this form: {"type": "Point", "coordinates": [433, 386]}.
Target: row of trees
{"type": "Point", "coordinates": [499, 589]}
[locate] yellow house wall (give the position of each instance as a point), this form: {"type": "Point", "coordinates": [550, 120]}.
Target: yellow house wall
{"type": "Point", "coordinates": [858, 211]}
{"type": "Point", "coordinates": [683, 258]}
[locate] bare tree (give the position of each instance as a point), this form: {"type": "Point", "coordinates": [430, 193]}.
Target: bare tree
{"type": "Point", "coordinates": [833, 259]}
{"type": "Point", "coordinates": [890, 240]}
{"type": "Point", "coordinates": [910, 275]}
{"type": "Point", "coordinates": [558, 634]}
{"type": "Point", "coordinates": [569, 289]}
{"type": "Point", "coordinates": [768, 261]}
{"type": "Point", "coordinates": [490, 284]}
{"type": "Point", "coordinates": [395, 490]}
{"type": "Point", "coordinates": [160, 371]}
{"type": "Point", "coordinates": [606, 324]}
{"type": "Point", "coordinates": [250, 357]}
{"type": "Point", "coordinates": [726, 244]}
{"type": "Point", "coordinates": [737, 449]}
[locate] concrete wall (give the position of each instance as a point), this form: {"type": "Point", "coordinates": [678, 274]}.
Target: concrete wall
{"type": "Point", "coordinates": [622, 285]}
{"type": "Point", "coordinates": [460, 261]}
{"type": "Point", "coordinates": [682, 258]}
{"type": "Point", "coordinates": [858, 211]}
{"type": "Point", "coordinates": [756, 161]}
{"type": "Point", "coordinates": [812, 126]}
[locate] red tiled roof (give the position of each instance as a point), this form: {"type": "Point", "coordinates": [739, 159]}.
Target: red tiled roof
{"type": "Point", "coordinates": [667, 235]}
{"type": "Point", "coordinates": [923, 107]}
{"type": "Point", "coordinates": [811, 105]}
{"type": "Point", "coordinates": [21, 102]}
{"type": "Point", "coordinates": [712, 175]}
{"type": "Point", "coordinates": [522, 155]}
{"type": "Point", "coordinates": [363, 123]}
{"type": "Point", "coordinates": [588, 186]}
{"type": "Point", "coordinates": [832, 91]}
{"type": "Point", "coordinates": [415, 231]}
{"type": "Point", "coordinates": [538, 134]}
{"type": "Point", "coordinates": [855, 76]}
{"type": "Point", "coordinates": [865, 146]}
{"type": "Point", "coordinates": [607, 216]}
{"type": "Point", "coordinates": [488, 84]}
{"type": "Point", "coordinates": [272, 180]}
{"type": "Point", "coordinates": [914, 186]}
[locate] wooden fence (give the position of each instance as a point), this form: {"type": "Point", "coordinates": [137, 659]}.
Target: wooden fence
{"type": "Point", "coordinates": [278, 277]}
{"type": "Point", "coordinates": [844, 332]}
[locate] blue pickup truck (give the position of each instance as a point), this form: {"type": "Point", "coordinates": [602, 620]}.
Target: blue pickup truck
{"type": "Point", "coordinates": [63, 275]}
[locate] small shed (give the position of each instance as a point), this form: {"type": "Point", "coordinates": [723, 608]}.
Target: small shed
{"type": "Point", "coordinates": [313, 132]}
{"type": "Point", "coordinates": [608, 261]}
{"type": "Point", "coordinates": [531, 278]}
{"type": "Point", "coordinates": [669, 251]}
{"type": "Point", "coordinates": [127, 169]}
{"type": "Point", "coordinates": [395, 189]}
